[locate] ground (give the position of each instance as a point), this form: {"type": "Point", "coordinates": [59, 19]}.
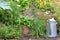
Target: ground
{"type": "Point", "coordinates": [40, 38]}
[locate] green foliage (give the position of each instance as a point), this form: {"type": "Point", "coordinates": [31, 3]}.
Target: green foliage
{"type": "Point", "coordinates": [57, 15]}
{"type": "Point", "coordinates": [48, 7]}
{"type": "Point", "coordinates": [24, 4]}
{"type": "Point", "coordinates": [34, 4]}
{"type": "Point", "coordinates": [9, 32]}
{"type": "Point", "coordinates": [39, 26]}
{"type": "Point", "coordinates": [57, 12]}
{"type": "Point", "coordinates": [12, 18]}
{"type": "Point", "coordinates": [26, 21]}
{"type": "Point", "coordinates": [8, 17]}
{"type": "Point", "coordinates": [38, 29]}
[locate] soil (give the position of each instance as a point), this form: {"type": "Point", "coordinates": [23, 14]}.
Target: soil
{"type": "Point", "coordinates": [40, 38]}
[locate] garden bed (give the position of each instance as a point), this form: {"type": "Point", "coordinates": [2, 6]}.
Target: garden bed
{"type": "Point", "coordinates": [27, 21]}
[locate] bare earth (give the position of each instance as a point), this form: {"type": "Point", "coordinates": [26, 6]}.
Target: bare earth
{"type": "Point", "coordinates": [42, 38]}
